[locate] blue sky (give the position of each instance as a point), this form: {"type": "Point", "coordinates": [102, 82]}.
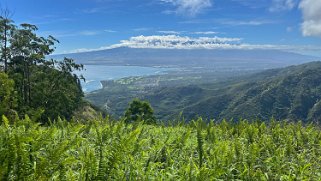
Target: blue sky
{"type": "Point", "coordinates": [82, 25]}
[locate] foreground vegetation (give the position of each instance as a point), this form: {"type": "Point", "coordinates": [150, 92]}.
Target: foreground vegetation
{"type": "Point", "coordinates": [104, 149]}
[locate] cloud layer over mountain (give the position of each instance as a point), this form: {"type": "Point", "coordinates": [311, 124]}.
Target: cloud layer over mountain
{"type": "Point", "coordinates": [179, 42]}
{"type": "Point", "coordinates": [186, 42]}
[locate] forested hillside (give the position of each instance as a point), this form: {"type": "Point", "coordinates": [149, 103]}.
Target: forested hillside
{"type": "Point", "coordinates": [291, 93]}
{"type": "Point", "coordinates": [287, 93]}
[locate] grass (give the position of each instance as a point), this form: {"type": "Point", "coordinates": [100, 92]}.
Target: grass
{"type": "Point", "coordinates": [112, 150]}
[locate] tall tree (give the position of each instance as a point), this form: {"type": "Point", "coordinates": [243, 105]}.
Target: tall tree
{"type": "Point", "coordinates": [45, 88]}
{"type": "Point", "coordinates": [28, 50]}
{"type": "Point", "coordinates": [6, 30]}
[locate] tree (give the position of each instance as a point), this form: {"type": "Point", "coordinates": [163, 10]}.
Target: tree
{"type": "Point", "coordinates": [140, 110]}
{"type": "Point", "coordinates": [27, 51]}
{"type": "Point", "coordinates": [57, 91]}
{"type": "Point", "coordinates": [44, 88]}
{"type": "Point", "coordinates": [6, 31]}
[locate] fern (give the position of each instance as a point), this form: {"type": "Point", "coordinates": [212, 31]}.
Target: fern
{"type": "Point", "coordinates": [112, 150]}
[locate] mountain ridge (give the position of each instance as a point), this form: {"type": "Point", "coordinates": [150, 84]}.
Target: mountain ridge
{"type": "Point", "coordinates": [289, 93]}
{"type": "Point", "coordinates": [263, 58]}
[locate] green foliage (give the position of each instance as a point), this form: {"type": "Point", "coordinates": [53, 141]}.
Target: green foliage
{"type": "Point", "coordinates": [7, 94]}
{"type": "Point", "coordinates": [44, 89]}
{"type": "Point", "coordinates": [140, 110]}
{"type": "Point", "coordinates": [109, 150]}
{"type": "Point", "coordinates": [56, 92]}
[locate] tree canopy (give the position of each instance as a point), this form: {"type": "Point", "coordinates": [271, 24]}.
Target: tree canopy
{"type": "Point", "coordinates": [44, 89]}
{"type": "Point", "coordinates": [140, 110]}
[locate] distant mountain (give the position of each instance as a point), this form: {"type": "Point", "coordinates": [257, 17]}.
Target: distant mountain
{"type": "Point", "coordinates": [190, 57]}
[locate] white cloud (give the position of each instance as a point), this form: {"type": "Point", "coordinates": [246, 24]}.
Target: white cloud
{"type": "Point", "coordinates": [205, 33]}
{"type": "Point", "coordinates": [246, 23]}
{"type": "Point", "coordinates": [94, 10]}
{"type": "Point", "coordinates": [80, 50]}
{"type": "Point", "coordinates": [311, 10]}
{"type": "Point", "coordinates": [188, 7]}
{"type": "Point", "coordinates": [253, 4]}
{"type": "Point", "coordinates": [89, 33]}
{"type": "Point", "coordinates": [110, 31]}
{"type": "Point", "coordinates": [142, 29]}
{"type": "Point", "coordinates": [282, 5]}
{"type": "Point", "coordinates": [177, 42]}
{"type": "Point", "coordinates": [169, 32]}
{"type": "Point", "coordinates": [271, 5]}
{"type": "Point", "coordinates": [62, 34]}
{"type": "Point", "coordinates": [289, 29]}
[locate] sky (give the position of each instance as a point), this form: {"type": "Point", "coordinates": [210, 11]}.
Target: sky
{"type": "Point", "coordinates": [87, 25]}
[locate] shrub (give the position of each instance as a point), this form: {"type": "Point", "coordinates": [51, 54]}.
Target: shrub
{"type": "Point", "coordinates": [140, 110]}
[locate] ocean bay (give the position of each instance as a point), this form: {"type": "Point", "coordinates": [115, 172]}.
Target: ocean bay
{"type": "Point", "coordinates": [93, 74]}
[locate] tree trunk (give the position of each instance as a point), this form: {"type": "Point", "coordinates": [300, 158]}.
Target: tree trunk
{"type": "Point", "coordinates": [5, 49]}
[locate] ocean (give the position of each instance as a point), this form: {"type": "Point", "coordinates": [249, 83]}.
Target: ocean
{"type": "Point", "coordinates": [96, 73]}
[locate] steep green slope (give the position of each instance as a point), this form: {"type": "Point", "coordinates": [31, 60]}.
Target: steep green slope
{"type": "Point", "coordinates": [292, 93]}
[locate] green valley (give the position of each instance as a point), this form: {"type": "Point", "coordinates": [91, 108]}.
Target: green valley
{"type": "Point", "coordinates": [287, 93]}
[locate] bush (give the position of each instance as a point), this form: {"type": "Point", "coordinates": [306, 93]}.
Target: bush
{"type": "Point", "coordinates": [140, 110]}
